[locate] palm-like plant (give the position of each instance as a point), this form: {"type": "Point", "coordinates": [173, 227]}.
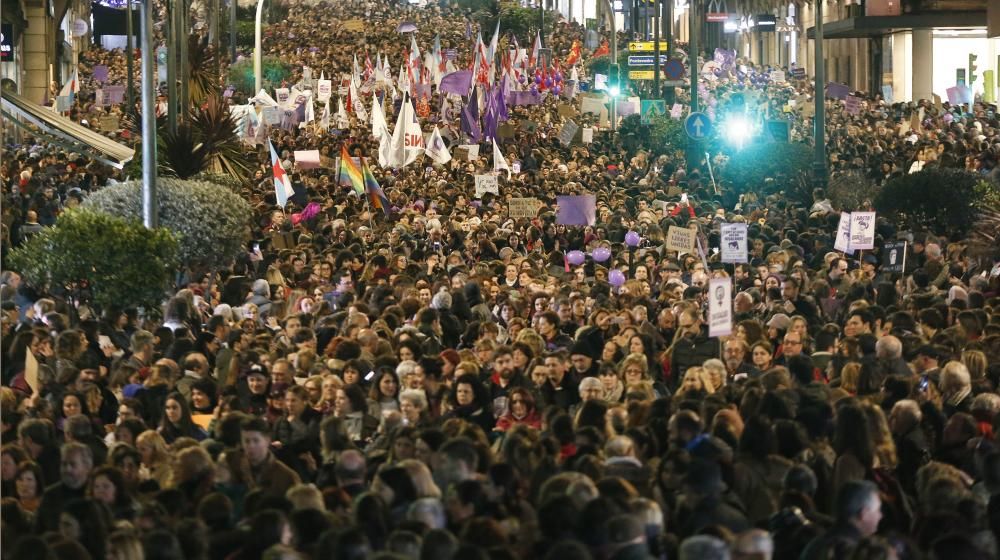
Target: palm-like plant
{"type": "Point", "coordinates": [204, 70]}
{"type": "Point", "coordinates": [216, 129]}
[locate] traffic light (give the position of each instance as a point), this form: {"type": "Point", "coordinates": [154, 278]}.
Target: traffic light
{"type": "Point", "coordinates": [614, 81]}
{"type": "Point", "coordinates": [972, 68]}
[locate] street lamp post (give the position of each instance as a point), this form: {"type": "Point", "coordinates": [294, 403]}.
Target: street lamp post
{"type": "Point", "coordinates": [819, 120]}
{"type": "Point", "coordinates": [694, 151]}
{"type": "Point", "coordinates": [149, 209]}
{"type": "Point", "coordinates": [257, 50]}
{"type": "Point", "coordinates": [614, 61]}
{"type": "Point", "coordinates": [129, 55]}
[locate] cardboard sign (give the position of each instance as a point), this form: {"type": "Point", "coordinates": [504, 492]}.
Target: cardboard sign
{"type": "Point", "coordinates": [567, 133]}
{"type": "Point", "coordinates": [471, 151]}
{"type": "Point", "coordinates": [894, 256]}
{"type": "Point", "coordinates": [31, 371]}
{"type": "Point", "coordinates": [733, 240]}
{"type": "Point", "coordinates": [720, 307]}
{"type": "Point", "coordinates": [354, 25]}
{"type": "Point", "coordinates": [505, 131]}
{"type": "Point", "coordinates": [109, 123]}
{"type": "Point", "coordinates": [486, 184]}
{"type": "Point", "coordinates": [566, 110]}
{"type": "Point", "coordinates": [680, 239]}
{"type": "Point", "coordinates": [282, 240]}
{"type": "Point", "coordinates": [523, 207]}
{"type": "Point", "coordinates": [862, 230]}
{"type": "Point", "coordinates": [777, 76]}
{"type": "Point", "coordinates": [592, 104]}
{"type": "Point", "coordinates": [843, 241]}
{"type": "Point", "coordinates": [587, 136]}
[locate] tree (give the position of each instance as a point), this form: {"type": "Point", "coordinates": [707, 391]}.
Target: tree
{"type": "Point", "coordinates": [210, 221]}
{"type": "Point", "coordinates": [939, 200]}
{"type": "Point", "coordinates": [771, 168]}
{"type": "Point", "coordinates": [273, 72]}
{"type": "Point", "coordinates": [111, 261]}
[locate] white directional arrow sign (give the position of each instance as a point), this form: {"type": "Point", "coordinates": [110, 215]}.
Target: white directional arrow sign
{"type": "Point", "coordinates": [698, 126]}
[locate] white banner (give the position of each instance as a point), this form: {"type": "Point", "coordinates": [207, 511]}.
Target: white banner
{"type": "Point", "coordinates": [733, 241]}
{"type": "Point", "coordinates": [843, 242]}
{"type": "Point", "coordinates": [324, 89]}
{"type": "Point", "coordinates": [281, 95]}
{"type": "Point", "coordinates": [720, 307]}
{"type": "Point", "coordinates": [862, 231]}
{"type": "Point", "coordinates": [486, 184]}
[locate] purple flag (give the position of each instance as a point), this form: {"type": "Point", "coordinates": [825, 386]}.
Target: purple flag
{"type": "Point", "coordinates": [524, 98]}
{"type": "Point", "coordinates": [100, 73]}
{"type": "Point", "coordinates": [490, 116]}
{"type": "Point", "coordinates": [470, 125]}
{"type": "Point", "coordinates": [473, 105]}
{"type": "Point", "coordinates": [837, 91]}
{"type": "Point", "coordinates": [576, 210]}
{"type": "Point", "coordinates": [456, 82]}
{"type": "Point", "coordinates": [406, 27]}
{"type": "Point", "coordinates": [501, 103]}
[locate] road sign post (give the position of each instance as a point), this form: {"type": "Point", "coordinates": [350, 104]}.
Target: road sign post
{"type": "Point", "coordinates": [698, 126]}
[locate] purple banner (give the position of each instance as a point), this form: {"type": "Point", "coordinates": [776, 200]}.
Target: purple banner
{"type": "Point", "coordinates": [837, 91]}
{"type": "Point", "coordinates": [114, 94]}
{"type": "Point", "coordinates": [458, 83]}
{"type": "Point", "coordinates": [100, 73]}
{"type": "Point", "coordinates": [576, 210]}
{"type": "Point", "coordinates": [524, 98]}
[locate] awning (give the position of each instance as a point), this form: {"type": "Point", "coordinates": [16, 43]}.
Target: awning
{"type": "Point", "coordinates": [64, 131]}
{"type": "Point", "coordinates": [862, 27]}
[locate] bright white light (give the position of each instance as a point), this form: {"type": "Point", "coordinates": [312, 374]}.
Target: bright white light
{"type": "Point", "coordinates": [614, 91]}
{"type": "Point", "coordinates": [737, 130]}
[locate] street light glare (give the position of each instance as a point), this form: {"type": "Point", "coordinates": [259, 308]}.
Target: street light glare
{"type": "Point", "coordinates": [738, 130]}
{"type": "Point", "coordinates": [614, 91]}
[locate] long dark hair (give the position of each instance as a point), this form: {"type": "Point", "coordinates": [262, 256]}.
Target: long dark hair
{"type": "Point", "coordinates": [183, 428]}
{"type": "Point", "coordinates": [852, 435]}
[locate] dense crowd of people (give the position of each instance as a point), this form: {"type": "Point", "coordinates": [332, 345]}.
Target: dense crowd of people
{"type": "Point", "coordinates": [445, 383]}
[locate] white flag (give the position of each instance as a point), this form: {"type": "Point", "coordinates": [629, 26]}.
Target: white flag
{"type": "Point", "coordinates": [407, 142]}
{"type": "Point", "coordinates": [357, 104]}
{"type": "Point", "coordinates": [436, 149]}
{"type": "Point", "coordinates": [324, 121]}
{"type": "Point", "coordinates": [379, 126]}
{"type": "Point", "coordinates": [498, 160]}
{"type": "Point", "coordinates": [342, 120]}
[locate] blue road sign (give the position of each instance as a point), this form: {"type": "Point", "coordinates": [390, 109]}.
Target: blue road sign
{"type": "Point", "coordinates": [674, 69]}
{"type": "Point", "coordinates": [697, 126]}
{"type": "Point", "coordinates": [644, 59]}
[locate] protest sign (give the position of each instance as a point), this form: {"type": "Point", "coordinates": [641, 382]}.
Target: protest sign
{"type": "Point", "coordinates": [324, 89]}
{"type": "Point", "coordinates": [522, 207]}
{"type": "Point", "coordinates": [720, 307]}
{"type": "Point", "coordinates": [109, 123]}
{"type": "Point", "coordinates": [471, 151]}
{"type": "Point", "coordinates": [894, 256]}
{"type": "Point", "coordinates": [567, 133]}
{"type": "Point", "coordinates": [486, 184]}
{"type": "Point", "coordinates": [733, 241]}
{"type": "Point", "coordinates": [862, 231]}
{"type": "Point", "coordinates": [306, 159]}
{"type": "Point", "coordinates": [587, 136]}
{"type": "Point", "coordinates": [680, 239]}
{"type": "Point", "coordinates": [852, 105]}
{"type": "Point", "coordinates": [843, 241]}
